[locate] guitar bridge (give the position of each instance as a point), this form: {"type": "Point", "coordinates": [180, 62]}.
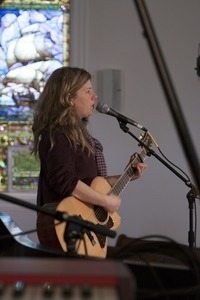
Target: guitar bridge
{"type": "Point", "coordinates": [91, 238]}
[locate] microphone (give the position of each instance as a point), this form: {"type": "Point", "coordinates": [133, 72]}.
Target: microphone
{"type": "Point", "coordinates": [105, 109]}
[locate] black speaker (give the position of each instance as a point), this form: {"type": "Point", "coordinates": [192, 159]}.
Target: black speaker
{"type": "Point", "coordinates": [164, 269]}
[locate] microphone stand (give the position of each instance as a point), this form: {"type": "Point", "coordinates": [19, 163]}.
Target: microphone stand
{"type": "Point", "coordinates": [75, 228]}
{"type": "Point", "coordinates": [191, 195]}
{"type": "Point", "coordinates": [169, 90]}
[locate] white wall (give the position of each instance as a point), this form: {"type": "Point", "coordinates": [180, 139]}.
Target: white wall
{"type": "Point", "coordinates": [108, 34]}
{"type": "Point", "coordinates": [157, 203]}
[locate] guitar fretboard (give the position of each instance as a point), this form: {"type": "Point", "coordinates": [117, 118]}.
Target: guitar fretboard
{"type": "Point", "coordinates": [125, 178]}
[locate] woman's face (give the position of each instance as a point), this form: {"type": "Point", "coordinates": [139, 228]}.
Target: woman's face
{"type": "Point", "coordinates": [84, 100]}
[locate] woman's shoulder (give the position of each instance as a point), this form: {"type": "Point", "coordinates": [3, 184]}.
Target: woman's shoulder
{"type": "Point", "coordinates": [57, 135]}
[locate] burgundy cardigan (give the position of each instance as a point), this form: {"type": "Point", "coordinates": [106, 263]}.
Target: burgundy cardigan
{"type": "Point", "coordinates": [61, 168]}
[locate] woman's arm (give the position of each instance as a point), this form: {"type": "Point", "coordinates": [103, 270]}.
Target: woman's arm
{"type": "Point", "coordinates": [86, 194]}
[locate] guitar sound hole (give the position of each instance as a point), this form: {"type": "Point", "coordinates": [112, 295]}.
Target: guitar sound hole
{"type": "Point", "coordinates": [100, 213]}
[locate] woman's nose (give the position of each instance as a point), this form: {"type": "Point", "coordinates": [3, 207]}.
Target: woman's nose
{"type": "Point", "coordinates": [95, 96]}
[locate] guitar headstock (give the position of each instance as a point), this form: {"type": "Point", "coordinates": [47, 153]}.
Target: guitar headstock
{"type": "Point", "coordinates": [146, 141]}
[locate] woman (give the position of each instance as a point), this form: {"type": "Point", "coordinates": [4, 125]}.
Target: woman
{"type": "Point", "coordinates": [70, 157]}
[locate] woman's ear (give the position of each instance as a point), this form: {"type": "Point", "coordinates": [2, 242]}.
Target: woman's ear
{"type": "Point", "coordinates": [71, 102]}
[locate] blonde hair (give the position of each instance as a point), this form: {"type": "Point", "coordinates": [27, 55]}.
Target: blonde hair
{"type": "Point", "coordinates": [54, 110]}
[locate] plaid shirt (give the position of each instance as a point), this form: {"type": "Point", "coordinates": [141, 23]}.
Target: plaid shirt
{"type": "Point", "coordinates": [98, 150]}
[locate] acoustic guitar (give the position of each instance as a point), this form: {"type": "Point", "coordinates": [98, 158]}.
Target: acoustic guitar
{"type": "Point", "coordinates": [91, 243]}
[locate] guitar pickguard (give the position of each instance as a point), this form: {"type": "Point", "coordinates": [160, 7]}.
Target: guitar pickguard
{"type": "Point", "coordinates": [101, 238]}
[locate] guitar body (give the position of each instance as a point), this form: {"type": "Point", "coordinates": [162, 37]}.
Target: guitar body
{"type": "Point", "coordinates": [92, 244]}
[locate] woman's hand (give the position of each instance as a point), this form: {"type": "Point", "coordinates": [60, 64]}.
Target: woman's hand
{"type": "Point", "coordinates": [138, 170]}
{"type": "Point", "coordinates": [112, 203]}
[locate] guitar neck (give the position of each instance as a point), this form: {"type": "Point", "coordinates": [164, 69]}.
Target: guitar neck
{"type": "Point", "coordinates": [125, 178]}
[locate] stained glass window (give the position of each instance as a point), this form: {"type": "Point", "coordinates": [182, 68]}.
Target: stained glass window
{"type": "Point", "coordinates": [34, 41]}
